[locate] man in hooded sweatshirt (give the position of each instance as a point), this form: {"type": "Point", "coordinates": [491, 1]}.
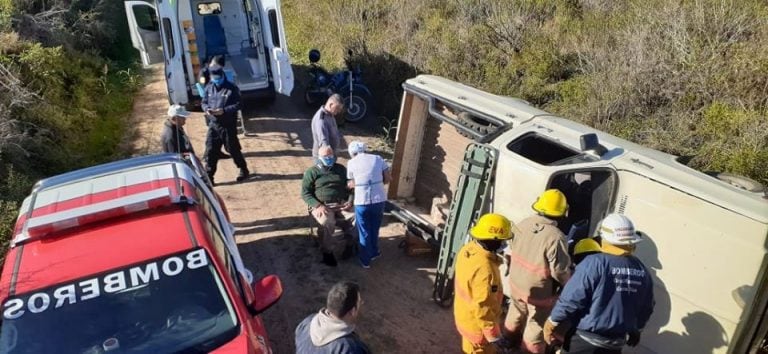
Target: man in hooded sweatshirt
{"type": "Point", "coordinates": [332, 330]}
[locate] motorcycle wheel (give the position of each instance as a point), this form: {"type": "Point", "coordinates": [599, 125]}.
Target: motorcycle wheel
{"type": "Point", "coordinates": [357, 108]}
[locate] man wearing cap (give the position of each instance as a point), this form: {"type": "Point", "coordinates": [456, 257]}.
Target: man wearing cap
{"type": "Point", "coordinates": [367, 174]}
{"type": "Point", "coordinates": [477, 286]}
{"type": "Point", "coordinates": [608, 300]}
{"type": "Point", "coordinates": [538, 264]}
{"type": "Point", "coordinates": [203, 79]}
{"type": "Point", "coordinates": [174, 139]}
{"type": "Point", "coordinates": [221, 104]}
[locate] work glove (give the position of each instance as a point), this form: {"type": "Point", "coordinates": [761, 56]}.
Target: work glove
{"type": "Point", "coordinates": [503, 345]}
{"type": "Point", "coordinates": [553, 333]}
{"type": "Point", "coordinates": [634, 338]}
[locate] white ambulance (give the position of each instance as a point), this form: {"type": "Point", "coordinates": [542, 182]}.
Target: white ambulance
{"type": "Point", "coordinates": [185, 34]}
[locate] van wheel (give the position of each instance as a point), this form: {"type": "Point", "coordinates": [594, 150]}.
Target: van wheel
{"type": "Point", "coordinates": [741, 182]}
{"type": "Point", "coordinates": [477, 124]}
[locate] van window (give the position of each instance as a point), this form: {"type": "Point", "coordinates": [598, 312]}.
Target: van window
{"type": "Point", "coordinates": [209, 8]}
{"type": "Point", "coordinates": [590, 196]}
{"type": "Point", "coordinates": [547, 152]}
{"type": "Point", "coordinates": [168, 32]}
{"type": "Point", "coordinates": [146, 18]}
{"type": "Point", "coordinates": [273, 28]}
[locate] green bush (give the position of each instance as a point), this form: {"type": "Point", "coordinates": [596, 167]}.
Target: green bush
{"type": "Point", "coordinates": [685, 77]}
{"type": "Point", "coordinates": [62, 105]}
{"type": "Point", "coordinates": [14, 186]}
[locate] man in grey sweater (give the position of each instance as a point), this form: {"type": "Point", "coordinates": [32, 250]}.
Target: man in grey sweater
{"type": "Point", "coordinates": [324, 129]}
{"type": "Point", "coordinates": [332, 329]}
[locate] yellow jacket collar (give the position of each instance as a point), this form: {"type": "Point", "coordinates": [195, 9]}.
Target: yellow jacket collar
{"type": "Point", "coordinates": [615, 250]}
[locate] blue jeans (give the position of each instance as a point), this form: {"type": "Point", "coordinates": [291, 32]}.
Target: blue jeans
{"type": "Point", "coordinates": [368, 219]}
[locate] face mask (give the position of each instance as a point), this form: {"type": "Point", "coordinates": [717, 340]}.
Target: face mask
{"type": "Point", "coordinates": [217, 81]}
{"type": "Point", "coordinates": [328, 161]}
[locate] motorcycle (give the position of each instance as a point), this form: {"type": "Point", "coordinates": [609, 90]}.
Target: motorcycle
{"type": "Point", "coordinates": [348, 83]}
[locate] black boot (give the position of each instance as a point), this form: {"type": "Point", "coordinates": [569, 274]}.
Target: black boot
{"type": "Point", "coordinates": [329, 259]}
{"type": "Point", "coordinates": [243, 174]}
{"type": "Point", "coordinates": [210, 177]}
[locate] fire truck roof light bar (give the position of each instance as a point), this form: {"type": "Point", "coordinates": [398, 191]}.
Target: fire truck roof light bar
{"type": "Point", "coordinates": [41, 226]}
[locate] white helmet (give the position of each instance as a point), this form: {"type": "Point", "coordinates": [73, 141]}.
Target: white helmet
{"type": "Point", "coordinates": [617, 229]}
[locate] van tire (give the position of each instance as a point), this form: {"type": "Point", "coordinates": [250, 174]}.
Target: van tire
{"type": "Point", "coordinates": [476, 124]}
{"type": "Point", "coordinates": [741, 182]}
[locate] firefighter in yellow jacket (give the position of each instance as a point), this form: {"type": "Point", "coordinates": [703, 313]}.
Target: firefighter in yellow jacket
{"type": "Point", "coordinates": [478, 292]}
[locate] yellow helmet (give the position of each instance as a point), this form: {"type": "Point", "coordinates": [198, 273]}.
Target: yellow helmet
{"type": "Point", "coordinates": [586, 245]}
{"type": "Point", "coordinates": [551, 203]}
{"type": "Point", "coordinates": [493, 227]}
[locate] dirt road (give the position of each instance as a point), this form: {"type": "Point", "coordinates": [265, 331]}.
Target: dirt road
{"type": "Point", "coordinates": [273, 232]}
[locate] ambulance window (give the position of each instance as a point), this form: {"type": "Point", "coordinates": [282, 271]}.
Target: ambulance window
{"type": "Point", "coordinates": [542, 150]}
{"type": "Point", "coordinates": [168, 32]}
{"type": "Point", "coordinates": [146, 18]}
{"type": "Point", "coordinates": [273, 28]}
{"type": "Point", "coordinates": [209, 8]}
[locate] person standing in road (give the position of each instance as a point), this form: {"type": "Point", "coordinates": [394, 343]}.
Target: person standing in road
{"type": "Point", "coordinates": [221, 104]}
{"type": "Point", "coordinates": [174, 139]}
{"type": "Point", "coordinates": [608, 300]}
{"type": "Point", "coordinates": [539, 264]}
{"type": "Point", "coordinates": [203, 79]}
{"type": "Point", "coordinates": [332, 329]}
{"type": "Point", "coordinates": [324, 129]}
{"type": "Point", "coordinates": [367, 174]}
{"type": "Point", "coordinates": [324, 189]}
{"type": "Point", "coordinates": [477, 286]}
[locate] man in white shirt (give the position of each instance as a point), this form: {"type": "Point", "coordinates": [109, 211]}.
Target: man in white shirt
{"type": "Point", "coordinates": [367, 174]}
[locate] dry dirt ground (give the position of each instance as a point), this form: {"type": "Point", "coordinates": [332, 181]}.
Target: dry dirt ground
{"type": "Point", "coordinates": [273, 231]}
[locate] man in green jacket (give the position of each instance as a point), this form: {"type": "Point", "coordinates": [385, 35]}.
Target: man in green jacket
{"type": "Point", "coordinates": [324, 189]}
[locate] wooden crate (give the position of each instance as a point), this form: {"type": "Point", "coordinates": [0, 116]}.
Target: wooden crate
{"type": "Point", "coordinates": [415, 245]}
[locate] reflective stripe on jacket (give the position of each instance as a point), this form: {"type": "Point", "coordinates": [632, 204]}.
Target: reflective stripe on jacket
{"type": "Point", "coordinates": [478, 294]}
{"type": "Point", "coordinates": [538, 257]}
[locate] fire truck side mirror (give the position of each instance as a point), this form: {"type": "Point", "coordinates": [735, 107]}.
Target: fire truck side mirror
{"type": "Point", "coordinates": [266, 293]}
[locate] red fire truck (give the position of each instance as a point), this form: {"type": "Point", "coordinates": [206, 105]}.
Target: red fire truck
{"type": "Point", "coordinates": [132, 256]}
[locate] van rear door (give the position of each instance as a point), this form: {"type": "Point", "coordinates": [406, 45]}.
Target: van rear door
{"type": "Point", "coordinates": [282, 74]}
{"type": "Point", "coordinates": [173, 53]}
{"type": "Point", "coordinates": [145, 31]}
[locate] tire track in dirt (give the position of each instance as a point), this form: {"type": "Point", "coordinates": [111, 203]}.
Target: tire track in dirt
{"type": "Point", "coordinates": [272, 226]}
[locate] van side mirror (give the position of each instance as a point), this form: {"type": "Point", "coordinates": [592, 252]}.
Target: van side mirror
{"type": "Point", "coordinates": [266, 292]}
{"type": "Point", "coordinates": [590, 143]}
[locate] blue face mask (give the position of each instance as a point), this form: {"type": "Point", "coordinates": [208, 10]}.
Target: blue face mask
{"type": "Point", "coordinates": [328, 161]}
{"type": "Point", "coordinates": [217, 81]}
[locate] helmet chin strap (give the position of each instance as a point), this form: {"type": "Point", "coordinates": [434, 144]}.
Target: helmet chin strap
{"type": "Point", "coordinates": [490, 245]}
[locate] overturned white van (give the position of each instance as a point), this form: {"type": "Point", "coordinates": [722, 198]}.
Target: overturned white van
{"type": "Point", "coordinates": [461, 152]}
{"type": "Point", "coordinates": [185, 34]}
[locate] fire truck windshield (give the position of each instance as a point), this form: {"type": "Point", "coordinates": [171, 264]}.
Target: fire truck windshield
{"type": "Point", "coordinates": [176, 303]}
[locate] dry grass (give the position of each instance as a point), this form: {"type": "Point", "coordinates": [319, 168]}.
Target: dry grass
{"type": "Point", "coordinates": [656, 72]}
